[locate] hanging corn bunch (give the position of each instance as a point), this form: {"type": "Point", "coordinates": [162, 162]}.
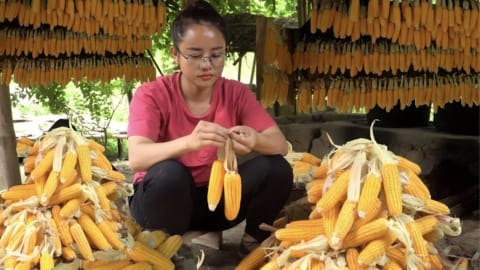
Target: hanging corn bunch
{"type": "Point", "coordinates": [370, 209]}
{"type": "Point", "coordinates": [71, 211]}
{"type": "Point", "coordinates": [116, 18]}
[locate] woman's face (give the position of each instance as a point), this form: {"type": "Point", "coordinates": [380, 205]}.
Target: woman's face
{"type": "Point", "coordinates": [201, 55]}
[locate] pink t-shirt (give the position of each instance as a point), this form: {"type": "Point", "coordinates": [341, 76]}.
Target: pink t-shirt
{"type": "Point", "coordinates": [159, 112]}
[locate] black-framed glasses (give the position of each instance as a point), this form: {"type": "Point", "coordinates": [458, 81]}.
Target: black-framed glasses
{"type": "Point", "coordinates": [215, 59]}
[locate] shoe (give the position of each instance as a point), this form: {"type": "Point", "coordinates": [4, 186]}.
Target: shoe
{"type": "Point", "coordinates": [210, 239]}
{"type": "Point", "coordinates": [247, 245]}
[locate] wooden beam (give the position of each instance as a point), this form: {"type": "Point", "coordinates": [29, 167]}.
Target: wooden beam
{"type": "Point", "coordinates": [9, 164]}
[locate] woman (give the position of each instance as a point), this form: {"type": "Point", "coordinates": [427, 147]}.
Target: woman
{"type": "Point", "coordinates": [177, 123]}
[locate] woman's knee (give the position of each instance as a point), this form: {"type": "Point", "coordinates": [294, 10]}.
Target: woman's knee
{"type": "Point", "coordinates": [168, 175]}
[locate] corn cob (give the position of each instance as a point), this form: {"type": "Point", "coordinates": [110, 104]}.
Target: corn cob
{"type": "Point", "coordinates": [81, 241]}
{"type": "Point", "coordinates": [170, 246]}
{"type": "Point", "coordinates": [141, 253]}
{"type": "Point", "coordinates": [93, 232]}
{"type": "Point", "coordinates": [215, 184]}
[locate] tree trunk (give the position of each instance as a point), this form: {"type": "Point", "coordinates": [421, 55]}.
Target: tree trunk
{"type": "Point", "coordinates": [9, 167]}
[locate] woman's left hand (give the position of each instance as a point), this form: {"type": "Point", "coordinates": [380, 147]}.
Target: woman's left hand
{"type": "Point", "coordinates": [243, 138]}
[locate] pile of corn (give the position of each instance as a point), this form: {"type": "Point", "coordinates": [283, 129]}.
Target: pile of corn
{"type": "Point", "coordinates": [72, 212]}
{"type": "Point", "coordinates": [370, 209]}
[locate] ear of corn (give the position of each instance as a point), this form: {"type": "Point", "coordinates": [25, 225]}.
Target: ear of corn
{"type": "Point", "coordinates": [111, 236]}
{"type": "Point", "coordinates": [298, 234]}
{"type": "Point", "coordinates": [392, 188]}
{"type": "Point", "coordinates": [141, 253]}
{"type": "Point", "coordinates": [46, 261]}
{"type": "Point", "coordinates": [254, 260]}
{"type": "Point", "coordinates": [344, 222]}
{"type": "Point", "coordinates": [81, 241]}
{"type": "Point", "coordinates": [170, 246]}
{"type": "Point", "coordinates": [138, 266]}
{"type": "Point", "coordinates": [232, 189]}
{"type": "Point", "coordinates": [335, 193]}
{"type": "Point", "coordinates": [366, 233]}
{"type": "Point", "coordinates": [215, 184]}
{"type": "Point", "coordinates": [93, 233]}
{"type": "Point", "coordinates": [352, 259]}
{"type": "Point", "coordinates": [84, 162]}
{"type": "Point", "coordinates": [369, 194]}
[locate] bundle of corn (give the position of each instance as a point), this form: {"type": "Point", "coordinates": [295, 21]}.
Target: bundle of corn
{"type": "Point", "coordinates": [72, 209]}
{"type": "Point", "coordinates": [334, 56]}
{"type": "Point", "coordinates": [119, 18]}
{"type": "Point", "coordinates": [372, 210]}
{"type": "Point", "coordinates": [276, 52]}
{"type": "Point", "coordinates": [44, 71]}
{"type": "Point", "coordinates": [224, 178]}
{"type": "Point", "coordinates": [274, 88]}
{"type": "Point", "coordinates": [449, 23]}
{"type": "Point", "coordinates": [17, 41]}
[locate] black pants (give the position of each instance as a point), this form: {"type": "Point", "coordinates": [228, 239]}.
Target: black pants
{"type": "Point", "coordinates": [167, 198]}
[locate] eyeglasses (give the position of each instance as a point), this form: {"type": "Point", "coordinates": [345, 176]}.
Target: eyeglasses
{"type": "Point", "coordinates": [216, 59]}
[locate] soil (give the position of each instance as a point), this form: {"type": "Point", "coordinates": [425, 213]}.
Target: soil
{"type": "Point", "coordinates": [226, 258]}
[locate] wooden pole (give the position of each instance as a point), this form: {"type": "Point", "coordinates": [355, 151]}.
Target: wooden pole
{"type": "Point", "coordinates": [9, 166]}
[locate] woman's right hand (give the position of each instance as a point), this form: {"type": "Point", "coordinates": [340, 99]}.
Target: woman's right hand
{"type": "Point", "coordinates": [207, 134]}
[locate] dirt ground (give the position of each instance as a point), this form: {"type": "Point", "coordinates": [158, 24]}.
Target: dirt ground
{"type": "Point", "coordinates": [226, 258]}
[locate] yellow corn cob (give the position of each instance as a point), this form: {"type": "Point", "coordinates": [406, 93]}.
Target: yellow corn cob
{"type": "Point", "coordinates": [368, 232]}
{"type": "Point", "coordinates": [368, 197]}
{"type": "Point", "coordinates": [436, 207]}
{"type": "Point", "coordinates": [111, 236]}
{"type": "Point", "coordinates": [138, 266]}
{"type": "Point", "coordinates": [101, 160]}
{"type": "Point", "coordinates": [416, 187]}
{"type": "Point", "coordinates": [50, 187]}
{"type": "Point", "coordinates": [19, 194]}
{"type": "Point", "coordinates": [57, 243]}
{"type": "Point", "coordinates": [93, 233]}
{"type": "Point", "coordinates": [46, 261]}
{"type": "Point", "coordinates": [9, 263]}
{"type": "Point", "coordinates": [103, 199]}
{"type": "Point", "coordinates": [66, 194]}
{"type": "Point", "coordinates": [305, 223]}
{"type": "Point", "coordinates": [436, 262]}
{"type": "Point", "coordinates": [329, 220]}
{"type": "Point", "coordinates": [352, 259]}
{"type": "Point", "coordinates": [109, 187]}
{"type": "Point", "coordinates": [314, 189]}
{"type": "Point", "coordinates": [396, 254]}
{"type": "Point", "coordinates": [25, 140]}
{"type": "Point", "coordinates": [271, 265]}
{"type": "Point", "coordinates": [373, 250]}
{"type": "Point", "coordinates": [392, 188]}
{"type": "Point", "coordinates": [115, 175]}
{"type": "Point", "coordinates": [406, 164]}
{"type": "Point", "coordinates": [68, 166]}
{"type": "Point", "coordinates": [170, 246]}
{"type": "Point", "coordinates": [371, 215]}
{"type": "Point", "coordinates": [62, 226]}
{"type": "Point", "coordinates": [84, 162]}
{"type": "Point", "coordinates": [310, 158]}
{"type": "Point", "coordinates": [141, 253]}
{"type": "Point", "coordinates": [298, 234]}
{"type": "Point", "coordinates": [344, 223]}
{"type": "Point", "coordinates": [426, 223]}
{"type": "Point", "coordinates": [92, 144]}
{"type": "Point", "coordinates": [45, 165]}
{"type": "Point", "coordinates": [215, 184]}
{"type": "Point", "coordinates": [69, 208]}
{"type": "Point", "coordinates": [23, 265]}
{"type": "Point", "coordinates": [232, 189]}
{"type": "Point", "coordinates": [336, 192]}
{"type": "Point", "coordinates": [255, 259]}
{"type": "Point", "coordinates": [391, 265]}
{"type": "Point", "coordinates": [419, 244]}
{"type": "Point", "coordinates": [81, 241]}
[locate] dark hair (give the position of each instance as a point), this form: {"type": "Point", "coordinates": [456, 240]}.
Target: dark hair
{"type": "Point", "coordinates": [197, 12]}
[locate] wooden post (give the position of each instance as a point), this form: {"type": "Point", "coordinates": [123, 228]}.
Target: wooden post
{"type": "Point", "coordinates": [9, 166]}
{"type": "Point", "coordinates": [261, 29]}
